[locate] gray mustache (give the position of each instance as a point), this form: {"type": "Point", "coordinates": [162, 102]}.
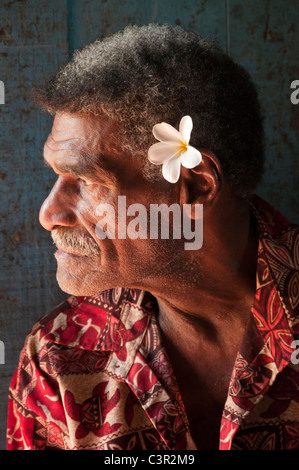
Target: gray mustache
{"type": "Point", "coordinates": [75, 241]}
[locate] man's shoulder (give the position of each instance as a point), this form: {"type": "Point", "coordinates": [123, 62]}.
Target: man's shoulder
{"type": "Point", "coordinates": [279, 257]}
{"type": "Point", "coordinates": [279, 237]}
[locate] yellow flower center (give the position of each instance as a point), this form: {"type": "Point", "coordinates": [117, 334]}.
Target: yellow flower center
{"type": "Point", "coordinates": [183, 147]}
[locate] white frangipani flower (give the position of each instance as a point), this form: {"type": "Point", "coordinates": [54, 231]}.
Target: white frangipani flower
{"type": "Point", "coordinates": [174, 150]}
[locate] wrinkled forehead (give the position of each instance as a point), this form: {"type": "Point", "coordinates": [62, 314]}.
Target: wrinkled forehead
{"type": "Point", "coordinates": [68, 127]}
{"type": "Point", "coordinates": [95, 140]}
{"type": "Point", "coordinates": [82, 131]}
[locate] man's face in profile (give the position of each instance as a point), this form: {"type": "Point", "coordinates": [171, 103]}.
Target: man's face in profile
{"type": "Point", "coordinates": [92, 169]}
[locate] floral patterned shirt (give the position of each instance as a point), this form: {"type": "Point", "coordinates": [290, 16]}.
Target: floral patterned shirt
{"type": "Point", "coordinates": [94, 374]}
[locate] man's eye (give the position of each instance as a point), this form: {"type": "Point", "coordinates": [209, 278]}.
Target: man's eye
{"type": "Point", "coordinates": [85, 182]}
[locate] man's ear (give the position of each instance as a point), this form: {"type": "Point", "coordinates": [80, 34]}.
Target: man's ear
{"type": "Point", "coordinates": [202, 184]}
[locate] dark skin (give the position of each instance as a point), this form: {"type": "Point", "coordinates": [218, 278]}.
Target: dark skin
{"type": "Point", "coordinates": [204, 296]}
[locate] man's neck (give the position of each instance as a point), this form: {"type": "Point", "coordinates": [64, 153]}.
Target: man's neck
{"type": "Point", "coordinates": [212, 289]}
{"type": "Point", "coordinates": [204, 301]}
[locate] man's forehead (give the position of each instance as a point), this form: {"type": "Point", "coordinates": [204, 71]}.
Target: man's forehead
{"type": "Point", "coordinates": [93, 135]}
{"type": "Point", "coordinates": [92, 140]}
{"type": "Point", "coordinates": [84, 129]}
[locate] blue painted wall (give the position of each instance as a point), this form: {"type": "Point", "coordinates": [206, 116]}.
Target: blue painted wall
{"type": "Point", "coordinates": [36, 37]}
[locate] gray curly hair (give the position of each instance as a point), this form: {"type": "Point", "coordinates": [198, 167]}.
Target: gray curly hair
{"type": "Point", "coordinates": [154, 73]}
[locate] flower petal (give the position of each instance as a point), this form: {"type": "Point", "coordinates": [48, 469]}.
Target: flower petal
{"type": "Point", "coordinates": [171, 170]}
{"type": "Point", "coordinates": [191, 158]}
{"type": "Point", "coordinates": [161, 152]}
{"type": "Point", "coordinates": [166, 133]}
{"type": "Point", "coordinates": [186, 126]}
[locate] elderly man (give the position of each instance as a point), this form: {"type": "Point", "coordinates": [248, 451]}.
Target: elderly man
{"type": "Point", "coordinates": [161, 345]}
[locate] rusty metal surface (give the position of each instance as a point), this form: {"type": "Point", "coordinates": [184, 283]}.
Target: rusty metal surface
{"type": "Point", "coordinates": [265, 40]}
{"type": "Point", "coordinates": [35, 38]}
{"type": "Point", "coordinates": [108, 16]}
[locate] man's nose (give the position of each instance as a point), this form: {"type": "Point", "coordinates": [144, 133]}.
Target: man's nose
{"type": "Point", "coordinates": [58, 209]}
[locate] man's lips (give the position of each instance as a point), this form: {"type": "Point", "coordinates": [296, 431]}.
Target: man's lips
{"type": "Point", "coordinates": [65, 252]}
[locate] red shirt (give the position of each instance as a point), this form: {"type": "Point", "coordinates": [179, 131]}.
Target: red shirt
{"type": "Point", "coordinates": [93, 373]}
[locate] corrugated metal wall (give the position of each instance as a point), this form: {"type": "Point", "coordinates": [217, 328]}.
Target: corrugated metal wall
{"type": "Point", "coordinates": [36, 37]}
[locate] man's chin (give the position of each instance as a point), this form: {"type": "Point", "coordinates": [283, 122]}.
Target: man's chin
{"type": "Point", "coordinates": [78, 287]}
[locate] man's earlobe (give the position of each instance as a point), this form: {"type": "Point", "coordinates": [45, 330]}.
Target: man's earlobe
{"type": "Point", "coordinates": [202, 184]}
